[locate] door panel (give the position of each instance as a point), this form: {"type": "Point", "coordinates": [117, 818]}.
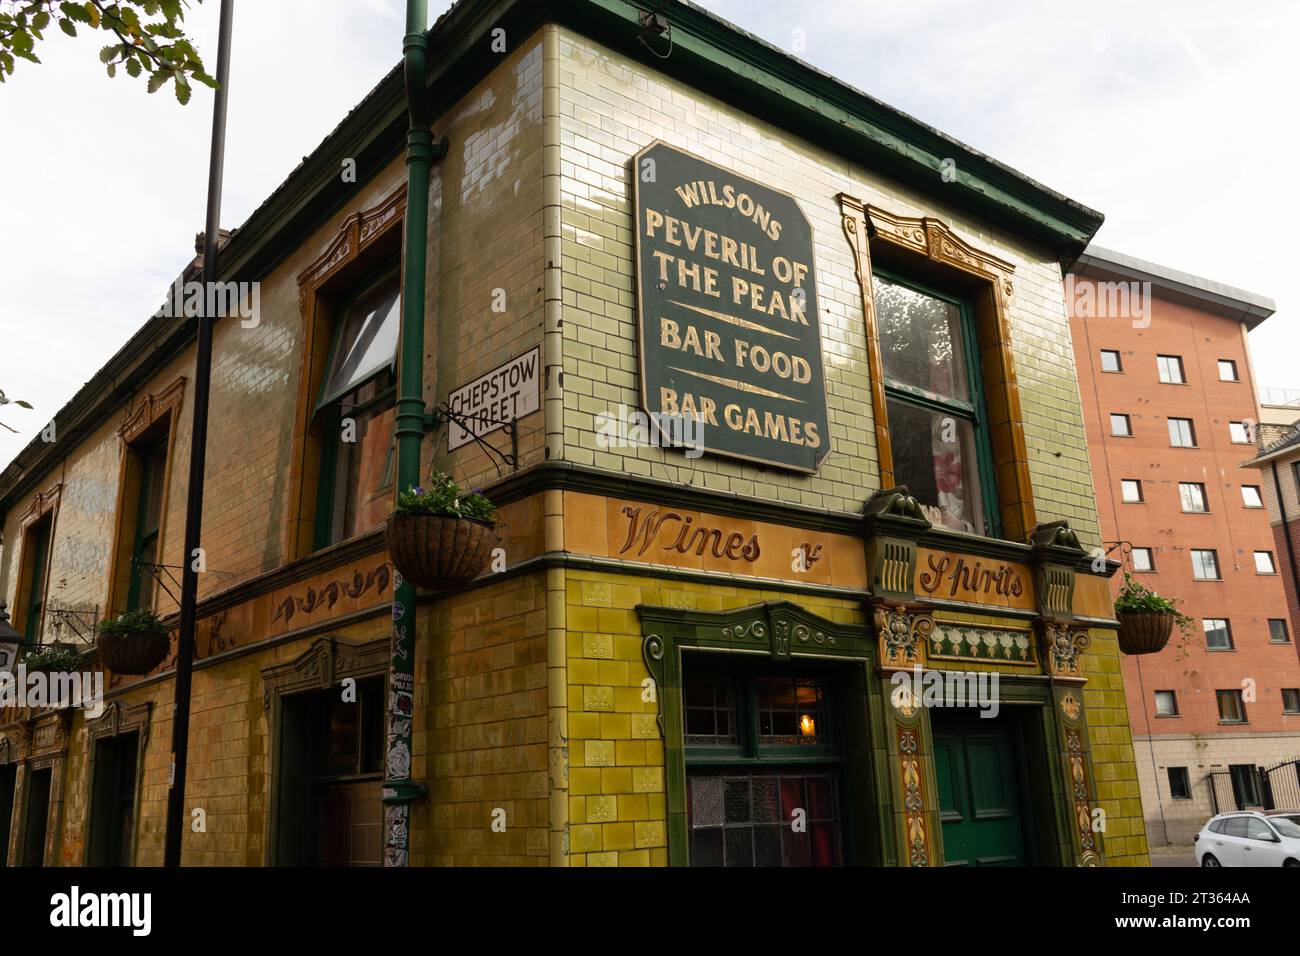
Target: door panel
{"type": "Point", "coordinates": [978, 791]}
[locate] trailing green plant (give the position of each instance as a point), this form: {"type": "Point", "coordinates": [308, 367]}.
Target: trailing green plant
{"type": "Point", "coordinates": [55, 659]}
{"type": "Point", "coordinates": [442, 496]}
{"type": "Point", "coordinates": [140, 621]}
{"type": "Point", "coordinates": [1135, 598]}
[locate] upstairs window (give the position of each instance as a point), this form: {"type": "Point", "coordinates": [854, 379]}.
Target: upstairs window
{"type": "Point", "coordinates": [1205, 564]}
{"type": "Point", "coordinates": [151, 470]}
{"type": "Point", "coordinates": [1218, 633]}
{"type": "Point", "coordinates": [32, 577]}
{"type": "Point", "coordinates": [1277, 631]}
{"type": "Point", "coordinates": [1182, 433]}
{"type": "Point", "coordinates": [1250, 496]}
{"type": "Point", "coordinates": [1232, 709]}
{"type": "Point", "coordinates": [356, 414]}
{"type": "Point", "coordinates": [1110, 361]}
{"type": "Point", "coordinates": [1191, 495]}
{"type": "Point", "coordinates": [1166, 703]}
{"type": "Point", "coordinates": [1228, 371]}
{"type": "Point", "coordinates": [1239, 432]}
{"type": "Point", "coordinates": [1130, 490]}
{"type": "Point", "coordinates": [1264, 563]}
{"type": "Point", "coordinates": [1143, 560]}
{"type": "Point", "coordinates": [935, 404]}
{"type": "Point", "coordinates": [1120, 425]}
{"type": "Point", "coordinates": [1170, 368]}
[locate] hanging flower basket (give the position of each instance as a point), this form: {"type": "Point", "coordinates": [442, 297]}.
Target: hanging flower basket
{"type": "Point", "coordinates": [1145, 632]}
{"type": "Point", "coordinates": [50, 660]}
{"type": "Point", "coordinates": [134, 643]}
{"type": "Point", "coordinates": [438, 539]}
{"type": "Point", "coordinates": [1146, 620]}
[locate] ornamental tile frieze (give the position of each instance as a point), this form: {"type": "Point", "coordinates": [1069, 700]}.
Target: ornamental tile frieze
{"type": "Point", "coordinates": [965, 642]}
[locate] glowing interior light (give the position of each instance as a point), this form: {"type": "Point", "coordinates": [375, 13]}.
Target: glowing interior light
{"type": "Point", "coordinates": [807, 726]}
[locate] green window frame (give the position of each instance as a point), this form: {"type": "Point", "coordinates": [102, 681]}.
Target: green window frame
{"type": "Point", "coordinates": [148, 524]}
{"type": "Point", "coordinates": [38, 535]}
{"type": "Point", "coordinates": [974, 411]}
{"type": "Point", "coordinates": [328, 414]}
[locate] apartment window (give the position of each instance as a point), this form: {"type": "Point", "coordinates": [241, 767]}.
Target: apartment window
{"type": "Point", "coordinates": [1277, 631]}
{"type": "Point", "coordinates": [1120, 426]}
{"type": "Point", "coordinates": [1143, 559]}
{"type": "Point", "coordinates": [32, 574]}
{"type": "Point", "coordinates": [1191, 495]}
{"type": "Point", "coordinates": [1131, 490]}
{"type": "Point", "coordinates": [1239, 432]}
{"type": "Point", "coordinates": [1291, 700]}
{"type": "Point", "coordinates": [1264, 563]}
{"type": "Point", "coordinates": [1166, 703]}
{"type": "Point", "coordinates": [1110, 361]}
{"type": "Point", "coordinates": [1180, 786]}
{"type": "Point", "coordinates": [355, 413]}
{"type": "Point", "coordinates": [1182, 433]}
{"type": "Point", "coordinates": [1218, 635]}
{"type": "Point", "coordinates": [1205, 564]}
{"type": "Point", "coordinates": [1232, 710]}
{"type": "Point", "coordinates": [1250, 496]}
{"type": "Point", "coordinates": [1171, 369]}
{"type": "Point", "coordinates": [112, 803]}
{"type": "Point", "coordinates": [1227, 370]}
{"type": "Point", "coordinates": [935, 404]}
{"type": "Point", "coordinates": [759, 746]}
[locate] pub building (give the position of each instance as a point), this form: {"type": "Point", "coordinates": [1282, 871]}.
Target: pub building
{"type": "Point", "coordinates": [772, 386]}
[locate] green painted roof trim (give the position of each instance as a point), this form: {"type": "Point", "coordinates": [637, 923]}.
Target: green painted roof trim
{"type": "Point", "coordinates": [709, 53]}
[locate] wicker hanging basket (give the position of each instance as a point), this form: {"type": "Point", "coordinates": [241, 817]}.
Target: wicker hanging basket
{"type": "Point", "coordinates": [137, 652]}
{"type": "Point", "coordinates": [439, 551]}
{"type": "Point", "coordinates": [1146, 632]}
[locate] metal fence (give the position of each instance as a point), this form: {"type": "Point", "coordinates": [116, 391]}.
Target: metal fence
{"type": "Point", "coordinates": [1246, 787]}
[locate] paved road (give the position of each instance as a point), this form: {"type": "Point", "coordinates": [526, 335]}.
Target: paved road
{"type": "Point", "coordinates": [1172, 856]}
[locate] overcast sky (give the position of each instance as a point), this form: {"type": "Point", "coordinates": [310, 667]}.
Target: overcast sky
{"type": "Point", "coordinates": [1175, 119]}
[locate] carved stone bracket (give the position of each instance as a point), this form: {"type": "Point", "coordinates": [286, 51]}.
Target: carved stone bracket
{"type": "Point", "coordinates": [902, 632]}
{"type": "Point", "coordinates": [1062, 648]}
{"type": "Point", "coordinates": [892, 524]}
{"type": "Point", "coordinates": [1057, 554]}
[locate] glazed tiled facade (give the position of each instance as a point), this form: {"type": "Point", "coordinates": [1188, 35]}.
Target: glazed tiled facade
{"type": "Point", "coordinates": [531, 700]}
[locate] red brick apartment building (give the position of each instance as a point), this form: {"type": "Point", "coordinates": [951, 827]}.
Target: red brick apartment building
{"type": "Point", "coordinates": [1170, 410]}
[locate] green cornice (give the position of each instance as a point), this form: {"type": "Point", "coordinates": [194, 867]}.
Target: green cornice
{"type": "Point", "coordinates": [766, 82]}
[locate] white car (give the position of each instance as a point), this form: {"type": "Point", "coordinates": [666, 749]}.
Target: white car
{"type": "Point", "coordinates": [1250, 839]}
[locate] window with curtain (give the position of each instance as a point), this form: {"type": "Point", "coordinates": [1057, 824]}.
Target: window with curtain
{"type": "Point", "coordinates": [356, 415]}
{"type": "Point", "coordinates": [152, 463]}
{"type": "Point", "coordinates": [935, 404]}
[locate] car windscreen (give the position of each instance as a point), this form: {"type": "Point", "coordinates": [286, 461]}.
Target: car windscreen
{"type": "Point", "coordinates": [1286, 826]}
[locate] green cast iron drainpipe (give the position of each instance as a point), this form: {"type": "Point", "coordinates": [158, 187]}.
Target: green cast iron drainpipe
{"type": "Point", "coordinates": [400, 791]}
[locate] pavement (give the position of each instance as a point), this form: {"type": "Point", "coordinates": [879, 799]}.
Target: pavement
{"type": "Point", "coordinates": [1172, 856]}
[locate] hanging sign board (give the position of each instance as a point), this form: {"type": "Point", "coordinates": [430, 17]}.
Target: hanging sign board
{"type": "Point", "coordinates": [505, 394]}
{"type": "Point", "coordinates": [727, 312]}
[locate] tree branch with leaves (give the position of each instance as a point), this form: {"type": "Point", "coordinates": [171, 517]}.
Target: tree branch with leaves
{"type": "Point", "coordinates": [6, 400]}
{"type": "Point", "coordinates": [148, 37]}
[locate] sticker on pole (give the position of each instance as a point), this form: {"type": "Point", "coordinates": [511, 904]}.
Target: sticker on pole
{"type": "Point", "coordinates": [492, 401]}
